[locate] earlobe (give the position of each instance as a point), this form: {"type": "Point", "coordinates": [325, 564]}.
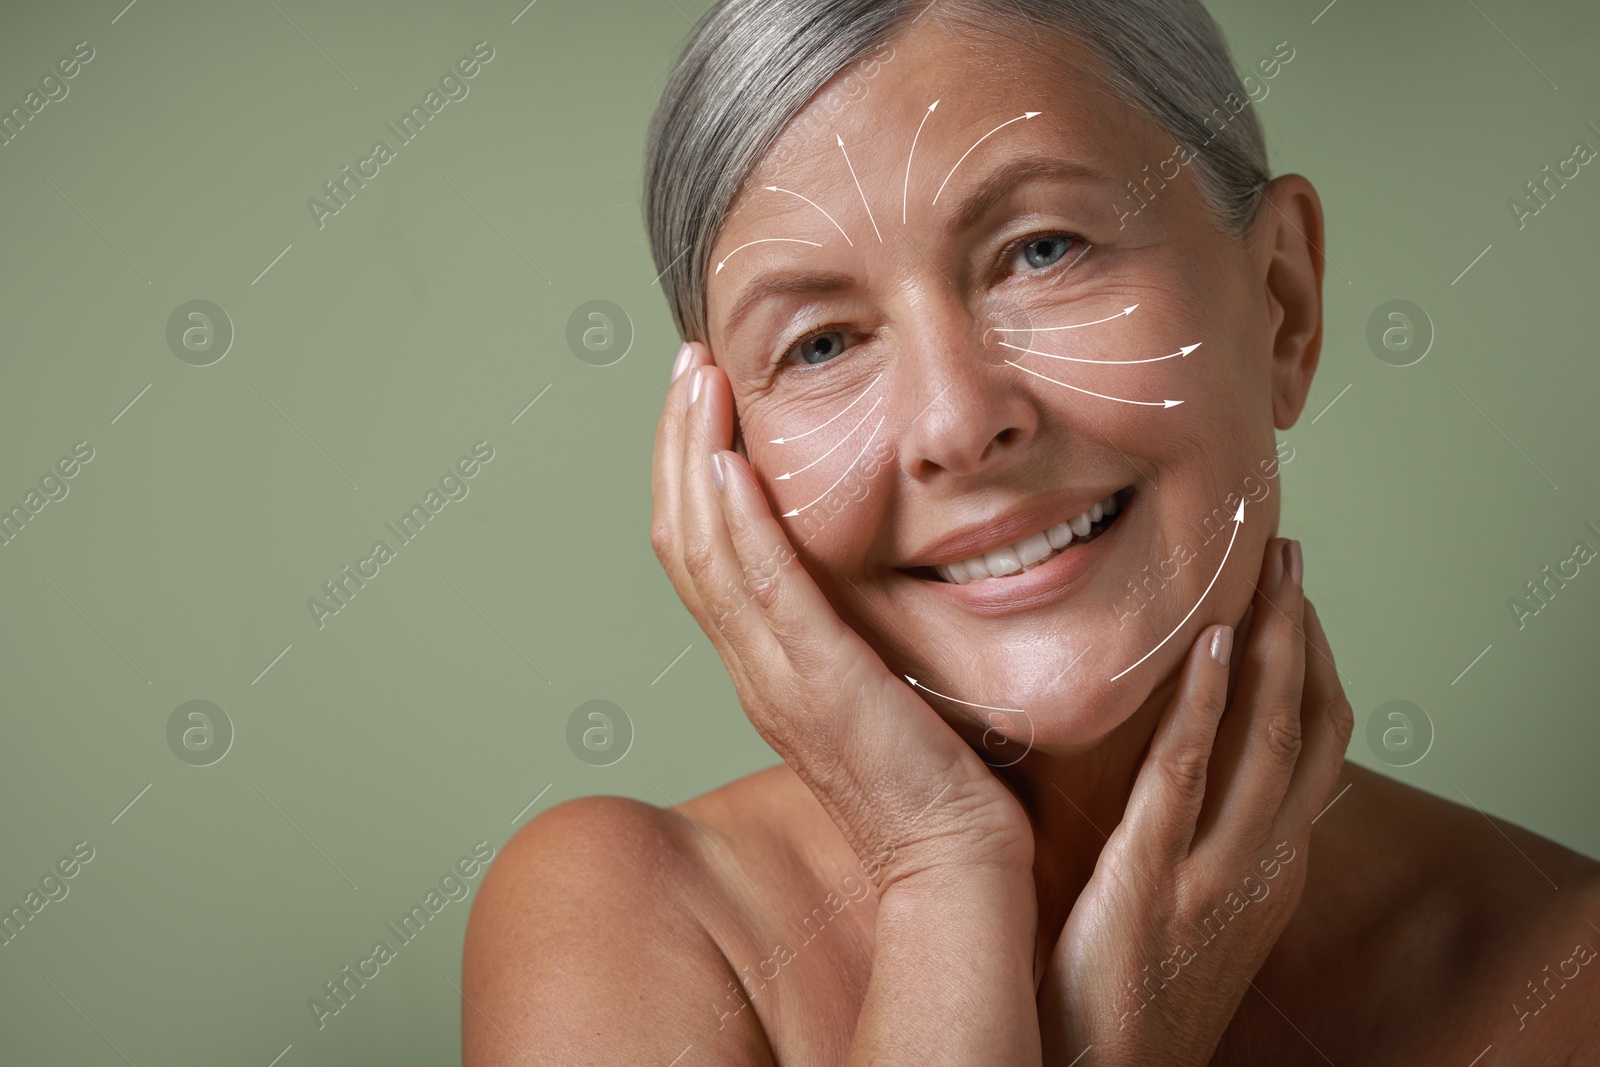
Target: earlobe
{"type": "Point", "coordinates": [1294, 273]}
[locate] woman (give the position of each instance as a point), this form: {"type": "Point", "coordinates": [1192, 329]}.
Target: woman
{"type": "Point", "coordinates": [967, 472]}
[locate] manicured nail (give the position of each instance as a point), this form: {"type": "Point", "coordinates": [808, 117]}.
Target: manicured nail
{"type": "Point", "coordinates": [1222, 645]}
{"type": "Point", "coordinates": [681, 362]}
{"type": "Point", "coordinates": [1292, 562]}
{"type": "Point", "coordinates": [694, 384]}
{"type": "Point", "coordinates": [716, 469]}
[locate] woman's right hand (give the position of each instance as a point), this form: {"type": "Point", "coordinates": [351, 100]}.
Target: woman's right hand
{"type": "Point", "coordinates": [890, 772]}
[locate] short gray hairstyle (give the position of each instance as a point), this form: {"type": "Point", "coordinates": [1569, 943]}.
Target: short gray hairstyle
{"type": "Point", "coordinates": [750, 66]}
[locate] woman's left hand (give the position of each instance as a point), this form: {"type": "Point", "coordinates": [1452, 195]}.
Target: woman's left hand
{"type": "Point", "coordinates": [1200, 878]}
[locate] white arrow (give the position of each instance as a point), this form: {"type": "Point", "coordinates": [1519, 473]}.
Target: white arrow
{"type": "Point", "coordinates": [1238, 520]}
{"type": "Point", "coordinates": [1184, 351]}
{"type": "Point", "coordinates": [847, 470]}
{"type": "Point", "coordinates": [989, 707]}
{"type": "Point", "coordinates": [847, 407]}
{"type": "Point", "coordinates": [1102, 396]}
{"type": "Point", "coordinates": [836, 444]}
{"type": "Point", "coordinates": [905, 191]}
{"type": "Point", "coordinates": [975, 144]}
{"type": "Point", "coordinates": [813, 203]}
{"type": "Point", "coordinates": [764, 240]}
{"type": "Point", "coordinates": [1074, 326]}
{"type": "Point", "coordinates": [858, 188]}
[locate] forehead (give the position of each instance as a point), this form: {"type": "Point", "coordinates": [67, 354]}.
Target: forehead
{"type": "Point", "coordinates": [869, 136]}
{"type": "Point", "coordinates": [978, 77]}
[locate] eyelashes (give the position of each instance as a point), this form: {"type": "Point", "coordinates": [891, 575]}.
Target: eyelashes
{"type": "Point", "coordinates": [1077, 247]}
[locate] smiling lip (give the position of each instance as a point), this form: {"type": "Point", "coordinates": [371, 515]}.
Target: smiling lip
{"type": "Point", "coordinates": [980, 537]}
{"type": "Point", "coordinates": [1050, 580]}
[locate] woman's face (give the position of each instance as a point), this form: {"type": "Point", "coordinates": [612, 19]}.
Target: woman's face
{"type": "Point", "coordinates": [911, 429]}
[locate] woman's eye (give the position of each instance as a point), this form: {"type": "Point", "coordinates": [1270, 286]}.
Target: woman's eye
{"type": "Point", "coordinates": [819, 348]}
{"type": "Point", "coordinates": [1042, 252]}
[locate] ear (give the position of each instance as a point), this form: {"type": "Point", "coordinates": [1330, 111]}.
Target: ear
{"type": "Point", "coordinates": [1287, 249]}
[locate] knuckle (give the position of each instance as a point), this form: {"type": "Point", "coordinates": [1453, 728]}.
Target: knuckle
{"type": "Point", "coordinates": [765, 586]}
{"type": "Point", "coordinates": [1283, 735]}
{"type": "Point", "coordinates": [1344, 719]}
{"type": "Point", "coordinates": [661, 539]}
{"type": "Point", "coordinates": [699, 560]}
{"type": "Point", "coordinates": [1184, 772]}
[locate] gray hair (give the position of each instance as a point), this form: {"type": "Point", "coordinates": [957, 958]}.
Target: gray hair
{"type": "Point", "coordinates": [750, 66]}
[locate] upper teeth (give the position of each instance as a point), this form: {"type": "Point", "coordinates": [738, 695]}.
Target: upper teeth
{"type": "Point", "coordinates": [1030, 551]}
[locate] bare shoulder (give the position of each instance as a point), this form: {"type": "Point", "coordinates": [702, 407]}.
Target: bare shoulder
{"type": "Point", "coordinates": [1472, 931]}
{"type": "Point", "coordinates": [594, 939]}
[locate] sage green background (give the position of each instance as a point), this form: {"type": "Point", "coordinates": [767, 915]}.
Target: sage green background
{"type": "Point", "coordinates": [428, 313]}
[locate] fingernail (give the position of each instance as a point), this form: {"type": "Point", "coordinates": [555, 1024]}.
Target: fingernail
{"type": "Point", "coordinates": [1292, 562]}
{"type": "Point", "coordinates": [716, 469]}
{"type": "Point", "coordinates": [694, 384]}
{"type": "Point", "coordinates": [681, 362]}
{"type": "Point", "coordinates": [1222, 645]}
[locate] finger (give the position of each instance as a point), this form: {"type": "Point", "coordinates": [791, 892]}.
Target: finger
{"type": "Point", "coordinates": [667, 471]}
{"type": "Point", "coordinates": [717, 575]}
{"type": "Point", "coordinates": [1329, 722]}
{"type": "Point", "coordinates": [1171, 786]}
{"type": "Point", "coordinates": [1262, 737]}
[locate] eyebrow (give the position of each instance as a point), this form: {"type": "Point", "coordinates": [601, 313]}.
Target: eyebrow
{"type": "Point", "coordinates": [972, 210]}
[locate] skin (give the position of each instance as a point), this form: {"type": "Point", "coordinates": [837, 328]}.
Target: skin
{"type": "Point", "coordinates": [998, 914]}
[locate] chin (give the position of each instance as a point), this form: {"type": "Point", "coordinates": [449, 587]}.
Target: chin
{"type": "Point", "coordinates": [1069, 643]}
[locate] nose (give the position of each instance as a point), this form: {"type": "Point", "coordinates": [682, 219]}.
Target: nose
{"type": "Point", "coordinates": [967, 411]}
